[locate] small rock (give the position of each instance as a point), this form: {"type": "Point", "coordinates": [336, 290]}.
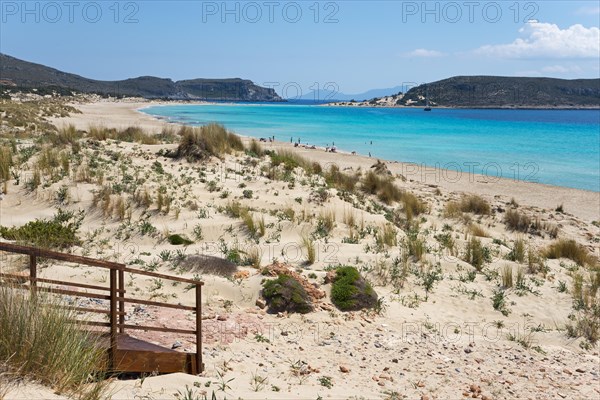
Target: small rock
{"type": "Point", "coordinates": [580, 370]}
{"type": "Point", "coordinates": [344, 369]}
{"type": "Point", "coordinates": [381, 383]}
{"type": "Point", "coordinates": [261, 303]}
{"type": "Point", "coordinates": [424, 397]}
{"type": "Point", "coordinates": [567, 371]}
{"type": "Point", "coordinates": [468, 350]}
{"type": "Point", "coordinates": [176, 345]}
{"type": "Point", "coordinates": [475, 388]}
{"type": "Point", "coordinates": [221, 317]}
{"type": "Point", "coordinates": [395, 360]}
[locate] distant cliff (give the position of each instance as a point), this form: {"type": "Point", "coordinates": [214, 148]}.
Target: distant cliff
{"type": "Point", "coordinates": [15, 74]}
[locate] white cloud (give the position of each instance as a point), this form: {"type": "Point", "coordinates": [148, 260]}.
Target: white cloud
{"type": "Point", "coordinates": [588, 11]}
{"type": "Point", "coordinates": [543, 40]}
{"type": "Point", "coordinates": [424, 53]}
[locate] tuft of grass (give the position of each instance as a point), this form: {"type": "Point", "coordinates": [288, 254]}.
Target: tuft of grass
{"type": "Point", "coordinates": [6, 162]}
{"type": "Point", "coordinates": [507, 276]}
{"type": "Point", "coordinates": [568, 248]}
{"type": "Point", "coordinates": [477, 230]}
{"type": "Point", "coordinates": [255, 149]}
{"type": "Point", "coordinates": [412, 205]}
{"type": "Point", "coordinates": [515, 221]}
{"type": "Point", "coordinates": [309, 245]}
{"type": "Point", "coordinates": [517, 253]}
{"type": "Point", "coordinates": [476, 205]}
{"type": "Point", "coordinates": [290, 161]}
{"type": "Point", "coordinates": [386, 236]}
{"type": "Point", "coordinates": [198, 144]}
{"type": "Point", "coordinates": [383, 187]}
{"type": "Point", "coordinates": [339, 180]}
{"type": "Point", "coordinates": [253, 257]}
{"type": "Point", "coordinates": [132, 134]}
{"type": "Point", "coordinates": [39, 341]}
{"type": "Point", "coordinates": [477, 254]}
{"type": "Point", "coordinates": [472, 204]}
{"type": "Point", "coordinates": [349, 217]}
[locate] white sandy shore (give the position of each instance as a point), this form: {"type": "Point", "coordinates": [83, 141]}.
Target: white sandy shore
{"type": "Point", "coordinates": [581, 203]}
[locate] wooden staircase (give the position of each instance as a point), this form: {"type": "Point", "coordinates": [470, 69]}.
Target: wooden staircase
{"type": "Point", "coordinates": [124, 352]}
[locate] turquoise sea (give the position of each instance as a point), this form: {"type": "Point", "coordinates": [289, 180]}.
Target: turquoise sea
{"type": "Point", "coordinates": [556, 147]}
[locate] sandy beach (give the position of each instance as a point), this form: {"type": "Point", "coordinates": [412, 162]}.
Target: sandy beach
{"type": "Point", "coordinates": [449, 342]}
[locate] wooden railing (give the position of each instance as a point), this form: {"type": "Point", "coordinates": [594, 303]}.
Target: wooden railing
{"type": "Point", "coordinates": [117, 295]}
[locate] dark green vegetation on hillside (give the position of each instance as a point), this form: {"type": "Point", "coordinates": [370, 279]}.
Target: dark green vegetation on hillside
{"type": "Point", "coordinates": [497, 91]}
{"type": "Point", "coordinates": [17, 74]}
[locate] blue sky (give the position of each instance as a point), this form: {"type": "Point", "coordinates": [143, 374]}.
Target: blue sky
{"type": "Point", "coordinates": [357, 45]}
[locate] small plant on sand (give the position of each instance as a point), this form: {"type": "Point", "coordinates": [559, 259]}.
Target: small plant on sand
{"type": "Point", "coordinates": [258, 382]}
{"type": "Point", "coordinates": [517, 253]}
{"type": "Point", "coordinates": [311, 253]}
{"type": "Point", "coordinates": [326, 382]}
{"type": "Point", "coordinates": [386, 236]}
{"type": "Point", "coordinates": [499, 302]}
{"type": "Point", "coordinates": [477, 254]}
{"type": "Point", "coordinates": [507, 276]}
{"type": "Point", "coordinates": [177, 240]}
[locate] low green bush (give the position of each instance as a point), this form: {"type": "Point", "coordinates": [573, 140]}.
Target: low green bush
{"type": "Point", "coordinates": [350, 291]}
{"type": "Point", "coordinates": [57, 233]}
{"type": "Point", "coordinates": [286, 294]}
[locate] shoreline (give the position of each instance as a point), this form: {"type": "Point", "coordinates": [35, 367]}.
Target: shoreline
{"type": "Point", "coordinates": [579, 202]}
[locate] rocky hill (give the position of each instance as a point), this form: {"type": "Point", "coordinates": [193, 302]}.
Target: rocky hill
{"type": "Point", "coordinates": [495, 92]}
{"type": "Point", "coordinates": [17, 74]}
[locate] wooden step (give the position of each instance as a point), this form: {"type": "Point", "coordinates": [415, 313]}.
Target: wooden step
{"type": "Point", "coordinates": [138, 356]}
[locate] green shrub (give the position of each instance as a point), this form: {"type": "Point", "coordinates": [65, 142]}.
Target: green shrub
{"type": "Point", "coordinates": [286, 294]}
{"type": "Point", "coordinates": [178, 240]}
{"type": "Point", "coordinates": [57, 233]}
{"type": "Point", "coordinates": [350, 291]}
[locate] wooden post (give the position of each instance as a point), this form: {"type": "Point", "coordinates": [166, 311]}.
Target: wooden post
{"type": "Point", "coordinates": [199, 366]}
{"type": "Point", "coordinates": [121, 302]}
{"type": "Point", "coordinates": [113, 319]}
{"type": "Point", "coordinates": [33, 271]}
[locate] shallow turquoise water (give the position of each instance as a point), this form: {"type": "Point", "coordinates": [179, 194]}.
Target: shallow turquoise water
{"type": "Point", "coordinates": [556, 147]}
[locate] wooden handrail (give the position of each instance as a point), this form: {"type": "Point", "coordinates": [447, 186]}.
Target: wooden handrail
{"type": "Point", "coordinates": [116, 296]}
{"type": "Point", "coordinates": [53, 281]}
